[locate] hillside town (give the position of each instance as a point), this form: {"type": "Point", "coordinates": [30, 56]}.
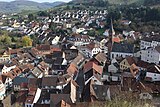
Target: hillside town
{"type": "Point", "coordinates": [70, 65]}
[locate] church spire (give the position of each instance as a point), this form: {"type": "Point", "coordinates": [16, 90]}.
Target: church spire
{"type": "Point", "coordinates": [112, 32]}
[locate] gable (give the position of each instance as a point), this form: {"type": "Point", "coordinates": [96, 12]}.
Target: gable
{"type": "Point", "coordinates": [125, 63]}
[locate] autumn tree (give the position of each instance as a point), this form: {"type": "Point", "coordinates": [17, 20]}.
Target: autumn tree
{"type": "Point", "coordinates": [26, 41]}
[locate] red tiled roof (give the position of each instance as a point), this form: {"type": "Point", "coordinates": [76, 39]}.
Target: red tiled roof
{"type": "Point", "coordinates": [91, 65]}
{"type": "Point", "coordinates": [72, 69]}
{"type": "Point", "coordinates": [116, 39]}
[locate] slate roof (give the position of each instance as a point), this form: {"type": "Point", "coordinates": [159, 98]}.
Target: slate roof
{"type": "Point", "coordinates": [123, 48]}
{"type": "Point", "coordinates": [19, 80]}
{"type": "Point", "coordinates": [57, 54]}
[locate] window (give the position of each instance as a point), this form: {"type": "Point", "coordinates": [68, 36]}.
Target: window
{"type": "Point", "coordinates": [112, 55]}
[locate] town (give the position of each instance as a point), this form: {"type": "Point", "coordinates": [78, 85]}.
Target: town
{"type": "Point", "coordinates": [70, 59]}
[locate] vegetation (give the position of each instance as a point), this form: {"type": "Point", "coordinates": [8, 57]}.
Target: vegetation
{"type": "Point", "coordinates": [20, 5]}
{"type": "Point", "coordinates": [26, 41]}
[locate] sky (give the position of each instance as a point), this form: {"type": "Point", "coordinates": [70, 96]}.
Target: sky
{"type": "Point", "coordinates": [51, 1]}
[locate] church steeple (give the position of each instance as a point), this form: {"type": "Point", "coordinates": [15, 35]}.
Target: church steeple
{"type": "Point", "coordinates": [112, 32]}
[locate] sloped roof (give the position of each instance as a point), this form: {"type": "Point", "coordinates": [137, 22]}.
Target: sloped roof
{"type": "Point", "coordinates": [91, 65]}
{"type": "Point", "coordinates": [157, 48]}
{"type": "Point", "coordinates": [50, 81]}
{"type": "Point", "coordinates": [123, 48]}
{"type": "Point", "coordinates": [101, 57]}
{"type": "Point", "coordinates": [57, 98]}
{"type": "Point", "coordinates": [72, 69]}
{"type": "Point", "coordinates": [130, 60]}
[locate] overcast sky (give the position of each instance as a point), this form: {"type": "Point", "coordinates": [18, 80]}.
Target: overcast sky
{"type": "Point", "coordinates": [41, 0]}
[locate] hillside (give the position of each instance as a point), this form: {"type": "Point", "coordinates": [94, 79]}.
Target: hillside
{"type": "Point", "coordinates": [19, 5]}
{"type": "Point", "coordinates": [121, 2]}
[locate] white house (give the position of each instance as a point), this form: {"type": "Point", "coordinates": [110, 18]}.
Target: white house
{"type": "Point", "coordinates": [92, 49]}
{"type": "Point", "coordinates": [153, 72]}
{"type": "Point", "coordinates": [55, 40]}
{"type": "Point", "coordinates": [2, 90]}
{"type": "Point", "coordinates": [147, 42]}
{"type": "Point", "coordinates": [79, 40]}
{"type": "Point", "coordinates": [151, 55]}
{"type": "Point", "coordinates": [78, 30]}
{"type": "Point", "coordinates": [5, 69]}
{"type": "Point", "coordinates": [113, 68]}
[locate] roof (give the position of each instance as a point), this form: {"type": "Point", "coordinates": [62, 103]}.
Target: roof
{"type": "Point", "coordinates": [152, 38]}
{"type": "Point", "coordinates": [57, 98]}
{"type": "Point", "coordinates": [123, 48]}
{"type": "Point", "coordinates": [43, 47]}
{"type": "Point", "coordinates": [72, 69]}
{"type": "Point", "coordinates": [49, 81]}
{"type": "Point", "coordinates": [130, 60]}
{"type": "Point", "coordinates": [142, 64]}
{"type": "Point", "coordinates": [58, 61]}
{"type": "Point", "coordinates": [57, 54]}
{"type": "Point", "coordinates": [101, 57]}
{"type": "Point", "coordinates": [41, 105]}
{"type": "Point", "coordinates": [33, 82]}
{"type": "Point", "coordinates": [19, 80]}
{"type": "Point", "coordinates": [36, 72]}
{"type": "Point", "coordinates": [153, 68]}
{"type": "Point", "coordinates": [29, 99]}
{"type": "Point", "coordinates": [91, 65]}
{"type": "Point", "coordinates": [91, 46]}
{"type": "Point", "coordinates": [100, 92]}
{"type": "Point", "coordinates": [78, 60]}
{"type": "Point", "coordinates": [116, 39]}
{"type": "Point", "coordinates": [157, 48]}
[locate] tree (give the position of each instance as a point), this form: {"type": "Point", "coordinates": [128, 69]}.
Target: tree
{"type": "Point", "coordinates": [7, 40]}
{"type": "Point", "coordinates": [31, 17]}
{"type": "Point", "coordinates": [26, 41]}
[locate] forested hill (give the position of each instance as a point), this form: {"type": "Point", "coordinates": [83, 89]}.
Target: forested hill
{"type": "Point", "coordinates": [118, 2]}
{"type": "Point", "coordinates": [20, 5]}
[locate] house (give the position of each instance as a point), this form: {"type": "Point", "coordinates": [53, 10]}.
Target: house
{"type": "Point", "coordinates": [70, 54]}
{"type": "Point", "coordinates": [5, 68]}
{"type": "Point", "coordinates": [127, 63]}
{"type": "Point", "coordinates": [4, 56]}
{"type": "Point", "coordinates": [20, 83]}
{"type": "Point", "coordinates": [153, 73]}
{"type": "Point", "coordinates": [151, 55]}
{"type": "Point", "coordinates": [101, 58]}
{"type": "Point", "coordinates": [55, 40]}
{"type": "Point", "coordinates": [44, 49]}
{"type": "Point", "coordinates": [92, 49]}
{"type": "Point", "coordinates": [32, 98]}
{"type": "Point", "coordinates": [59, 65]}
{"type": "Point", "coordinates": [103, 46]}
{"type": "Point", "coordinates": [74, 91]}
{"type": "Point", "coordinates": [10, 76]}
{"type": "Point", "coordinates": [53, 82]}
{"type": "Point", "coordinates": [2, 89]}
{"type": "Point", "coordinates": [60, 100]}
{"type": "Point", "coordinates": [121, 50]}
{"type": "Point", "coordinates": [99, 92]}
{"type": "Point", "coordinates": [36, 73]}
{"type": "Point", "coordinates": [113, 68]}
{"type": "Point", "coordinates": [92, 69]}
{"type": "Point", "coordinates": [151, 41]}
{"type": "Point", "coordinates": [79, 40]}
{"type": "Point", "coordinates": [78, 30]}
